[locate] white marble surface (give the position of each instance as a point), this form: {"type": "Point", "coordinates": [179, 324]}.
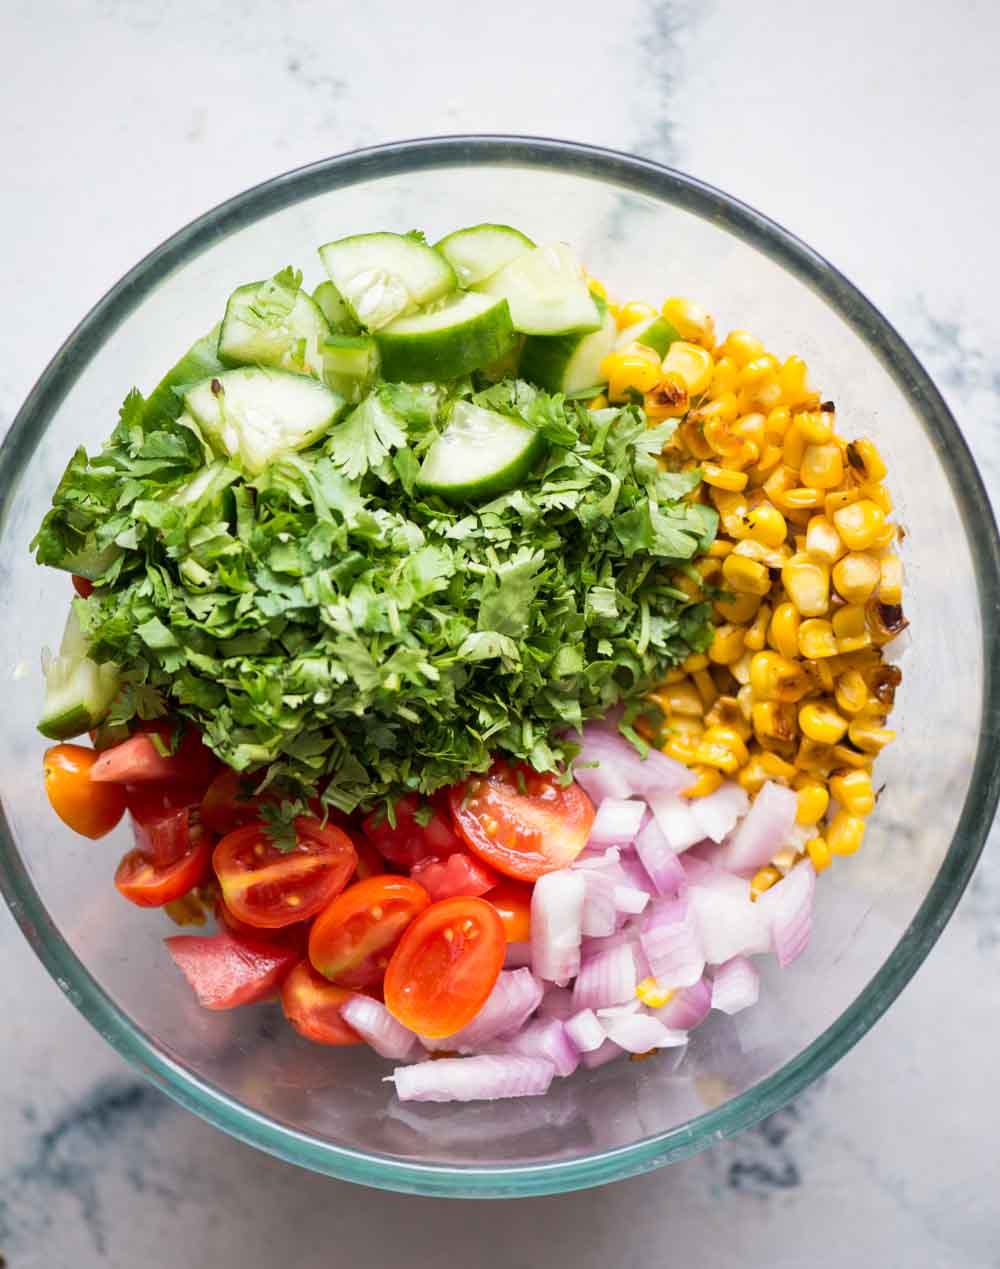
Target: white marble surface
{"type": "Point", "coordinates": [868, 127]}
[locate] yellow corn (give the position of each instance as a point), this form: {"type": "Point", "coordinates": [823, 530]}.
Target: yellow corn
{"type": "Point", "coordinates": [864, 457]}
{"type": "Point", "coordinates": [778, 483]}
{"type": "Point", "coordinates": [696, 661]}
{"type": "Point", "coordinates": [707, 780]}
{"type": "Point", "coordinates": [728, 712]}
{"type": "Point", "coordinates": [739, 609]}
{"type": "Point", "coordinates": [724, 376]}
{"type": "Point", "coordinates": [794, 446]}
{"type": "Point", "coordinates": [721, 478]}
{"type": "Point", "coordinates": [740, 669]}
{"type": "Point", "coordinates": [752, 777]}
{"type": "Point", "coordinates": [723, 748]}
{"type": "Point", "coordinates": [742, 347]}
{"type": "Point", "coordinates": [751, 427]}
{"type": "Point", "coordinates": [777, 678]}
{"type": "Point", "coordinates": [859, 523]}
{"type": "Point", "coordinates": [890, 586]}
{"type": "Point", "coordinates": [774, 721]}
{"type": "Point", "coordinates": [819, 854]}
{"type": "Point", "coordinates": [856, 576]}
{"type": "Point", "coordinates": [813, 800]}
{"type": "Point", "coordinates": [823, 541]}
{"type": "Point", "coordinates": [599, 402]}
{"type": "Point", "coordinates": [822, 466]}
{"type": "Point", "coordinates": [816, 639]}
{"type": "Point", "coordinates": [756, 635]}
{"type": "Point", "coordinates": [689, 436]}
{"type": "Point", "coordinates": [845, 833]}
{"type": "Point", "coordinates": [796, 389]}
{"type": "Point", "coordinates": [634, 368]}
{"type": "Point", "coordinates": [800, 498]}
{"type": "Point", "coordinates": [760, 369]}
{"type": "Point", "coordinates": [816, 426]}
{"type": "Point", "coordinates": [763, 880]}
{"type": "Point", "coordinates": [853, 791]}
{"type": "Point", "coordinates": [776, 768]}
{"type": "Point", "coordinates": [821, 674]}
{"type": "Point", "coordinates": [746, 576]}
{"type": "Point", "coordinates": [866, 735]}
{"type": "Point", "coordinates": [816, 758]}
{"type": "Point", "coordinates": [691, 363]}
{"type": "Point", "coordinates": [668, 399]}
{"type": "Point", "coordinates": [783, 632]}
{"type": "Point", "coordinates": [851, 692]}
{"type": "Point", "coordinates": [821, 723]}
{"type": "Point", "coordinates": [878, 494]}
{"type": "Point", "coordinates": [847, 756]}
{"type": "Point", "coordinates": [632, 312]}
{"type": "Point", "coordinates": [766, 524]}
{"type": "Point", "coordinates": [652, 994]}
{"type": "Point", "coordinates": [705, 687]}
{"type": "Point", "coordinates": [692, 322]}
{"type": "Point", "coordinates": [850, 629]}
{"type": "Point", "coordinates": [807, 584]}
{"type": "Point", "coordinates": [777, 423]}
{"type": "Point", "coordinates": [679, 698]}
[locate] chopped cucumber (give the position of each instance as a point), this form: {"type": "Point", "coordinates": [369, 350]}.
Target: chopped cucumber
{"type": "Point", "coordinates": [78, 691]}
{"type": "Point", "coordinates": [381, 276]}
{"type": "Point", "coordinates": [333, 308]}
{"type": "Point", "coordinates": [273, 324]}
{"type": "Point", "coordinates": [452, 338]}
{"type": "Point", "coordinates": [547, 292]}
{"type": "Point", "coordinates": [478, 252]}
{"type": "Point", "coordinates": [350, 363]}
{"type": "Point", "coordinates": [205, 485]}
{"type": "Point", "coordinates": [480, 454]}
{"type": "Point", "coordinates": [570, 363]}
{"type": "Point", "coordinates": [200, 361]}
{"type": "Point", "coordinates": [255, 414]}
{"type": "Point", "coordinates": [654, 332]}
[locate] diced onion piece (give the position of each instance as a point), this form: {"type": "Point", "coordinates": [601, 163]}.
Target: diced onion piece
{"type": "Point", "coordinates": [736, 985]}
{"type": "Point", "coordinates": [687, 1008]}
{"type": "Point", "coordinates": [716, 815]}
{"type": "Point", "coordinates": [788, 912]}
{"type": "Point", "coordinates": [514, 998]}
{"type": "Point", "coordinates": [640, 1032]}
{"type": "Point", "coordinates": [547, 1038]}
{"type": "Point", "coordinates": [600, 1057]}
{"type": "Point", "coordinates": [610, 766]}
{"type": "Point", "coordinates": [672, 944]}
{"type": "Point", "coordinates": [377, 1027]}
{"type": "Point", "coordinates": [485, 1078]}
{"type": "Point", "coordinates": [518, 956]}
{"type": "Point", "coordinates": [728, 923]}
{"type": "Point", "coordinates": [556, 1003]}
{"type": "Point", "coordinates": [764, 829]}
{"type": "Point", "coordinates": [617, 821]}
{"type": "Point", "coordinates": [630, 901]}
{"type": "Point", "coordinates": [556, 921]}
{"type": "Point", "coordinates": [585, 1031]}
{"type": "Point", "coordinates": [608, 978]}
{"type": "Point", "coordinates": [676, 820]}
{"type": "Point", "coordinates": [599, 908]}
{"type": "Point", "coordinates": [659, 859]}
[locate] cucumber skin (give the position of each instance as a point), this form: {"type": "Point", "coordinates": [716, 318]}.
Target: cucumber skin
{"type": "Point", "coordinates": [479, 344]}
{"type": "Point", "coordinates": [490, 487]}
{"type": "Point", "coordinates": [201, 361]}
{"type": "Point", "coordinates": [334, 308]}
{"type": "Point", "coordinates": [544, 357]}
{"type": "Point", "coordinates": [68, 724]}
{"type": "Point", "coordinates": [441, 246]}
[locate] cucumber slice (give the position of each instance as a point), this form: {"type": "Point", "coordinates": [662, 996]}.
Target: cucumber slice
{"type": "Point", "coordinates": [654, 332]}
{"type": "Point", "coordinates": [78, 691]}
{"type": "Point", "coordinates": [569, 363]}
{"type": "Point", "coordinates": [480, 454]}
{"type": "Point", "coordinates": [456, 336]}
{"type": "Point", "coordinates": [381, 276]}
{"type": "Point", "coordinates": [547, 292]}
{"type": "Point", "coordinates": [333, 308]}
{"type": "Point", "coordinates": [273, 324]}
{"type": "Point", "coordinates": [199, 362]}
{"type": "Point", "coordinates": [255, 414]}
{"type": "Point", "coordinates": [350, 364]}
{"type": "Point", "coordinates": [478, 252]}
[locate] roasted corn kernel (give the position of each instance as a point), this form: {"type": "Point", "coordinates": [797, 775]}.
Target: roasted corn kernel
{"type": "Point", "coordinates": [763, 880]}
{"type": "Point", "coordinates": [723, 478]}
{"type": "Point", "coordinates": [845, 833]}
{"type": "Point", "coordinates": [821, 723]}
{"type": "Point", "coordinates": [859, 523]}
{"type": "Point", "coordinates": [745, 576]}
{"type": "Point", "coordinates": [822, 466]}
{"type": "Point", "coordinates": [853, 791]}
{"type": "Point", "coordinates": [866, 735]}
{"type": "Point", "coordinates": [777, 678]}
{"type": "Point", "coordinates": [813, 799]}
{"type": "Point", "coordinates": [691, 363]}
{"type": "Point", "coordinates": [707, 780]}
{"type": "Point", "coordinates": [890, 586]}
{"type": "Point", "coordinates": [851, 692]}
{"type": "Point", "coordinates": [692, 322]}
{"type": "Point", "coordinates": [755, 637]}
{"type": "Point", "coordinates": [856, 576]}
{"type": "Point", "coordinates": [783, 632]}
{"type": "Point", "coordinates": [819, 854]}
{"type": "Point", "coordinates": [807, 583]}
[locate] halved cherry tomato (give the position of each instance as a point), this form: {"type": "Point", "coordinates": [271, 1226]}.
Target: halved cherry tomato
{"type": "Point", "coordinates": [89, 809]}
{"type": "Point", "coordinates": [352, 939]}
{"type": "Point", "coordinates": [522, 834]}
{"type": "Point", "coordinates": [267, 887]}
{"type": "Point", "coordinates": [139, 761]}
{"type": "Point", "coordinates": [151, 886]}
{"type": "Point", "coordinates": [230, 801]}
{"type": "Point", "coordinates": [296, 935]}
{"type": "Point", "coordinates": [83, 586]}
{"type": "Point", "coordinates": [312, 1006]}
{"type": "Point", "coordinates": [369, 860]}
{"type": "Point", "coordinates": [512, 900]}
{"type": "Point", "coordinates": [163, 833]}
{"type": "Point", "coordinates": [445, 966]}
{"type": "Point", "coordinates": [411, 839]}
{"type": "Point", "coordinates": [226, 970]}
{"type": "Point", "coordinates": [459, 874]}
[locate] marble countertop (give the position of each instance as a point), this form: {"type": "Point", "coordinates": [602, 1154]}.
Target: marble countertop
{"type": "Point", "coordinates": [870, 131]}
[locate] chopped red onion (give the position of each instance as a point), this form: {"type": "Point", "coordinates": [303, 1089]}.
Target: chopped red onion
{"type": "Point", "coordinates": [585, 1031]}
{"type": "Point", "coordinates": [514, 998]}
{"type": "Point", "coordinates": [377, 1027]}
{"type": "Point", "coordinates": [518, 956]}
{"type": "Point", "coordinates": [717, 813]}
{"type": "Point", "coordinates": [621, 772]}
{"type": "Point", "coordinates": [736, 985]}
{"type": "Point", "coordinates": [599, 908]}
{"type": "Point", "coordinates": [630, 900]}
{"type": "Point", "coordinates": [635, 874]}
{"type": "Point", "coordinates": [687, 1008]}
{"type": "Point", "coordinates": [788, 912]}
{"type": "Point", "coordinates": [608, 1052]}
{"type": "Point", "coordinates": [609, 978]}
{"type": "Point", "coordinates": [764, 829]}
{"type": "Point", "coordinates": [556, 1003]}
{"type": "Point", "coordinates": [640, 1032]}
{"type": "Point", "coordinates": [728, 923]}
{"type": "Point", "coordinates": [546, 1038]}
{"type": "Point", "coordinates": [671, 942]}
{"type": "Point", "coordinates": [676, 820]}
{"type": "Point", "coordinates": [483, 1078]}
{"type": "Point", "coordinates": [556, 917]}
{"type": "Point", "coordinates": [617, 820]}
{"type": "Point", "coordinates": [659, 860]}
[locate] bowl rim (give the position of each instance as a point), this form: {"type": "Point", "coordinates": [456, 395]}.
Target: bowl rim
{"type": "Point", "coordinates": [629, 173]}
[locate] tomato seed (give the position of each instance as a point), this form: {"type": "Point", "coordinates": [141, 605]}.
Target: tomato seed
{"type": "Point", "coordinates": [377, 913]}
{"type": "Point", "coordinates": [448, 935]}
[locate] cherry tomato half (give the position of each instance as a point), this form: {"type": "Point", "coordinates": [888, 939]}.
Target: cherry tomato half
{"type": "Point", "coordinates": [230, 801]}
{"type": "Point", "coordinates": [296, 935]}
{"type": "Point", "coordinates": [151, 886]}
{"type": "Point", "coordinates": [225, 970]}
{"type": "Point", "coordinates": [512, 900]}
{"type": "Point", "coordinates": [139, 761]}
{"type": "Point", "coordinates": [268, 887]}
{"type": "Point", "coordinates": [523, 834]}
{"type": "Point", "coordinates": [312, 1006]}
{"type": "Point", "coordinates": [445, 966]}
{"type": "Point", "coordinates": [83, 586]}
{"type": "Point", "coordinates": [163, 832]}
{"type": "Point", "coordinates": [352, 939]}
{"type": "Point", "coordinates": [460, 873]}
{"type": "Point", "coordinates": [411, 838]}
{"type": "Point", "coordinates": [89, 809]}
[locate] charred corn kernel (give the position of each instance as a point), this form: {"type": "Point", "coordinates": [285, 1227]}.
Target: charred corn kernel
{"type": "Point", "coordinates": [816, 639]}
{"type": "Point", "coordinates": [859, 523]}
{"type": "Point", "coordinates": [801, 498]}
{"type": "Point", "coordinates": [705, 687]}
{"type": "Point", "coordinates": [634, 368]}
{"type": "Point", "coordinates": [691, 438]}
{"type": "Point", "coordinates": [783, 632]}
{"type": "Point", "coordinates": [652, 994]}
{"type": "Point", "coordinates": [720, 478]}
{"type": "Point", "coordinates": [680, 746]}
{"type": "Point", "coordinates": [668, 400]}
{"type": "Point", "coordinates": [839, 498]}
{"type": "Point", "coordinates": [807, 584]}
{"type": "Point", "coordinates": [707, 780]}
{"type": "Point", "coordinates": [720, 548]}
{"type": "Point", "coordinates": [777, 678]}
{"type": "Point", "coordinates": [778, 484]}
{"type": "Point", "coordinates": [766, 524]}
{"type": "Point", "coordinates": [878, 494]}
{"type": "Point", "coordinates": [819, 854]}
{"type": "Point", "coordinates": [822, 466]}
{"type": "Point", "coordinates": [695, 661]}
{"type": "Point", "coordinates": [745, 576]}
{"type": "Point", "coordinates": [890, 586]}
{"type": "Point", "coordinates": [691, 363]}
{"type": "Point", "coordinates": [738, 610]}
{"type": "Point", "coordinates": [820, 674]}
{"type": "Point", "coordinates": [724, 376]}
{"type": "Point", "coordinates": [679, 698]}
{"type": "Point", "coordinates": [752, 777]}
{"type": "Point", "coordinates": [760, 370]}
{"type": "Point", "coordinates": [776, 768]}
{"type": "Point", "coordinates": [856, 576]}
{"type": "Point", "coordinates": [723, 748]}
{"type": "Point", "coordinates": [853, 791]}
{"type": "Point", "coordinates": [740, 670]}
{"type": "Point", "coordinates": [755, 637]}
{"type": "Point", "coordinates": [763, 880]}
{"type": "Point", "coordinates": [795, 386]}
{"type": "Point", "coordinates": [770, 459]}
{"type": "Point", "coordinates": [851, 692]}
{"type": "Point", "coordinates": [742, 455]}
{"type": "Point", "coordinates": [794, 446]}
{"type": "Point", "coordinates": [821, 723]}
{"type": "Point", "coordinates": [815, 758]}
{"type": "Point", "coordinates": [865, 734]}
{"type": "Point", "coordinates": [733, 509]}
{"type": "Point", "coordinates": [743, 347]}
{"type": "Point", "coordinates": [709, 566]}
{"type": "Point", "coordinates": [600, 402]}
{"type": "Point", "coordinates": [816, 427]}
{"type": "Point", "coordinates": [845, 833]}
{"type": "Point", "coordinates": [885, 537]}
{"type": "Point", "coordinates": [813, 800]}
{"type": "Point", "coordinates": [863, 457]}
{"type": "Point", "coordinates": [716, 418]}
{"type": "Point", "coordinates": [845, 755]}
{"type": "Point", "coordinates": [777, 424]}
{"type": "Point", "coordinates": [823, 541]}
{"type": "Point", "coordinates": [727, 712]}
{"type": "Point", "coordinates": [632, 312]}
{"type": "Point", "coordinates": [750, 427]}
{"type": "Point", "coordinates": [690, 320]}
{"type": "Point", "coordinates": [774, 720]}
{"type": "Point", "coordinates": [849, 628]}
{"type": "Point", "coordinates": [727, 644]}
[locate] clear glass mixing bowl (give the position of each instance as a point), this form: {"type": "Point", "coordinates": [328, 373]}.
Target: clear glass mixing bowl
{"type": "Point", "coordinates": [648, 232]}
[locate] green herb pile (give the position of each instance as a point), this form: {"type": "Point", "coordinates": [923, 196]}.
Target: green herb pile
{"type": "Point", "coordinates": [328, 623]}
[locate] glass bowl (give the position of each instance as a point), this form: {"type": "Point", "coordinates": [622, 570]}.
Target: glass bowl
{"type": "Point", "coordinates": [647, 232]}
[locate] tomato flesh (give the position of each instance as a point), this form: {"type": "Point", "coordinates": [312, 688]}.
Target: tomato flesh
{"type": "Point", "coordinates": [296, 935]}
{"type": "Point", "coordinates": [230, 802]}
{"type": "Point", "coordinates": [459, 874]}
{"type": "Point", "coordinates": [83, 586]}
{"type": "Point", "coordinates": [226, 970]}
{"type": "Point", "coordinates": [89, 809]}
{"type": "Point", "coordinates": [512, 900]}
{"type": "Point", "coordinates": [445, 966]}
{"type": "Point", "coordinates": [522, 823]}
{"type": "Point", "coordinates": [411, 839]}
{"type": "Point", "coordinates": [149, 885]}
{"type": "Point", "coordinates": [163, 832]}
{"type": "Point", "coordinates": [269, 888]}
{"type": "Point", "coordinates": [352, 939]}
{"type": "Point", "coordinates": [370, 863]}
{"type": "Point", "coordinates": [312, 1005]}
{"type": "Point", "coordinates": [139, 761]}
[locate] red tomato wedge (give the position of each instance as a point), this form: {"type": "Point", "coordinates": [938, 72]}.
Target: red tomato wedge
{"type": "Point", "coordinates": [149, 885]}
{"type": "Point", "coordinates": [83, 586]}
{"type": "Point", "coordinates": [296, 936]}
{"type": "Point", "coordinates": [139, 761]}
{"type": "Point", "coordinates": [512, 900]}
{"type": "Point", "coordinates": [312, 1006]}
{"type": "Point", "coordinates": [230, 801]}
{"type": "Point", "coordinates": [91, 810]}
{"type": "Point", "coordinates": [163, 833]}
{"type": "Point", "coordinates": [267, 887]}
{"type": "Point", "coordinates": [522, 823]}
{"type": "Point", "coordinates": [410, 839]}
{"type": "Point", "coordinates": [352, 939]}
{"type": "Point", "coordinates": [459, 874]}
{"type": "Point", "coordinates": [226, 971]}
{"type": "Point", "coordinates": [445, 966]}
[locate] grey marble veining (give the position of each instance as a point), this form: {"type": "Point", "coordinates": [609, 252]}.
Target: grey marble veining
{"type": "Point", "coordinates": [870, 131]}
